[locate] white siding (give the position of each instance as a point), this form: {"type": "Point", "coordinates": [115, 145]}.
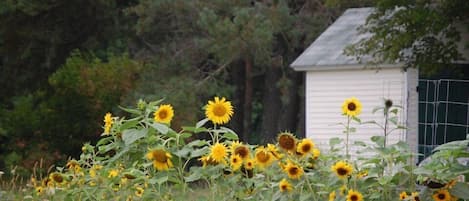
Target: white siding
{"type": "Point", "coordinates": [326, 91]}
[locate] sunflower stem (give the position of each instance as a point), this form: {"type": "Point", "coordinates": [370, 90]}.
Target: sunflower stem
{"type": "Point", "coordinates": [347, 132]}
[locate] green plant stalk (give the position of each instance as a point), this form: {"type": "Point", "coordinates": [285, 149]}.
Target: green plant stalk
{"type": "Point", "coordinates": [347, 133]}
{"type": "Point", "coordinates": [386, 116]}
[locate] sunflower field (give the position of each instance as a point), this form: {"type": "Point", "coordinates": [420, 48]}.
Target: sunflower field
{"type": "Point", "coordinates": [141, 157]}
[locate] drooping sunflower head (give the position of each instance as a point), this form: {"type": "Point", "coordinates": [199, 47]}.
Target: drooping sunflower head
{"type": "Point", "coordinates": [305, 146]}
{"type": "Point", "coordinates": [56, 178]}
{"type": "Point", "coordinates": [274, 151]}
{"type": "Point", "coordinates": [218, 152]}
{"type": "Point", "coordinates": [139, 192]}
{"type": "Point", "coordinates": [403, 195]}
{"type": "Point", "coordinates": [219, 111]}
{"type": "Point", "coordinates": [354, 196]}
{"type": "Point", "coordinates": [351, 107]}
{"type": "Point", "coordinates": [164, 114]}
{"type": "Point", "coordinates": [287, 141]}
{"type": "Point", "coordinates": [285, 186]}
{"type": "Point", "coordinates": [263, 157]}
{"type": "Point", "coordinates": [235, 162]}
{"type": "Point", "coordinates": [293, 171]}
{"type": "Point", "coordinates": [161, 159]}
{"type": "Point", "coordinates": [342, 169]}
{"type": "Point", "coordinates": [388, 103]}
{"type": "Point", "coordinates": [441, 195]}
{"type": "Point", "coordinates": [238, 148]}
{"type": "Point", "coordinates": [206, 160]}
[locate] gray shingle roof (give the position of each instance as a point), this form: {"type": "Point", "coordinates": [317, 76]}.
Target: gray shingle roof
{"type": "Point", "coordinates": [328, 49]}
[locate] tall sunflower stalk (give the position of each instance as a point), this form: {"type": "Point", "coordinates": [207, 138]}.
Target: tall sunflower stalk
{"type": "Point", "coordinates": [350, 108]}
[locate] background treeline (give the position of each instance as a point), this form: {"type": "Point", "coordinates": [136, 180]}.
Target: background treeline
{"type": "Point", "coordinates": [64, 64]}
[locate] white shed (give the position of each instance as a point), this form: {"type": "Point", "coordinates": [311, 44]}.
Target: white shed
{"type": "Point", "coordinates": [331, 77]}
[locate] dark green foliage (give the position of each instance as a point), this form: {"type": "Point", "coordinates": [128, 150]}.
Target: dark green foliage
{"type": "Point", "coordinates": [420, 34]}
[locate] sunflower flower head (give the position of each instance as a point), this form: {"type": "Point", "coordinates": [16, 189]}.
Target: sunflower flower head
{"type": "Point", "coordinates": [219, 111]}
{"type": "Point", "coordinates": [287, 142]}
{"type": "Point", "coordinates": [354, 196]}
{"type": "Point", "coordinates": [108, 121]}
{"type": "Point", "coordinates": [274, 151]}
{"type": "Point", "coordinates": [206, 160]}
{"type": "Point", "coordinates": [351, 107]}
{"type": "Point", "coordinates": [139, 191]}
{"type": "Point", "coordinates": [342, 169]}
{"type": "Point", "coordinates": [305, 146]}
{"type": "Point", "coordinates": [441, 195]}
{"type": "Point", "coordinates": [238, 148]}
{"type": "Point", "coordinates": [332, 196]}
{"type": "Point", "coordinates": [403, 195]}
{"type": "Point", "coordinates": [113, 173]}
{"type": "Point", "coordinates": [285, 186]}
{"type": "Point", "coordinates": [415, 196]}
{"type": "Point", "coordinates": [56, 178]}
{"type": "Point", "coordinates": [164, 114]}
{"type": "Point", "coordinates": [316, 153]}
{"type": "Point", "coordinates": [218, 152]}
{"type": "Point", "coordinates": [235, 162]}
{"type": "Point", "coordinates": [293, 171]}
{"type": "Point", "coordinates": [160, 158]}
{"type": "Point", "coordinates": [249, 164]}
{"type": "Point", "coordinates": [263, 157]}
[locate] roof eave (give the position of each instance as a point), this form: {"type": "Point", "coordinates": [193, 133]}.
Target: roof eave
{"type": "Point", "coordinates": [342, 67]}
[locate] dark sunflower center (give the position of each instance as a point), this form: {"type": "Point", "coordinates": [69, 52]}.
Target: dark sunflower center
{"type": "Point", "coordinates": [342, 171]}
{"type": "Point", "coordinates": [163, 114]}
{"type": "Point", "coordinates": [306, 148]}
{"type": "Point", "coordinates": [160, 156]}
{"type": "Point", "coordinates": [351, 106]}
{"type": "Point", "coordinates": [219, 110]}
{"type": "Point", "coordinates": [293, 171]}
{"type": "Point", "coordinates": [441, 196]}
{"type": "Point", "coordinates": [354, 197]}
{"type": "Point", "coordinates": [241, 151]}
{"type": "Point", "coordinates": [287, 142]}
{"type": "Point", "coordinates": [57, 178]}
{"type": "Point", "coordinates": [263, 157]}
{"type": "Point", "coordinates": [284, 187]}
{"type": "Point", "coordinates": [235, 160]}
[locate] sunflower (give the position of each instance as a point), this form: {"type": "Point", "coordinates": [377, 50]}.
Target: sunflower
{"type": "Point", "coordinates": [39, 190]}
{"type": "Point", "coordinates": [343, 190]}
{"type": "Point", "coordinates": [238, 148]}
{"type": "Point", "coordinates": [403, 195]}
{"type": "Point", "coordinates": [161, 159]}
{"type": "Point", "coordinates": [107, 123]}
{"type": "Point", "coordinates": [219, 111]}
{"type": "Point", "coordinates": [351, 107]}
{"type": "Point", "coordinates": [249, 164]}
{"type": "Point", "coordinates": [305, 146]}
{"type": "Point", "coordinates": [354, 196]}
{"type": "Point", "coordinates": [164, 114]}
{"type": "Point", "coordinates": [139, 192]}
{"type": "Point", "coordinates": [113, 173]}
{"type": "Point", "coordinates": [218, 152]}
{"type": "Point", "coordinates": [274, 151]}
{"type": "Point", "coordinates": [284, 185]}
{"type": "Point", "coordinates": [293, 171]}
{"type": "Point", "coordinates": [332, 196]}
{"type": "Point", "coordinates": [415, 196]}
{"type": "Point", "coordinates": [287, 141]}
{"type": "Point", "coordinates": [56, 178]}
{"type": "Point", "coordinates": [263, 157]}
{"type": "Point", "coordinates": [235, 161]}
{"type": "Point", "coordinates": [316, 153]}
{"type": "Point", "coordinates": [342, 169]}
{"type": "Point", "coordinates": [206, 160]}
{"type": "Point", "coordinates": [441, 195]}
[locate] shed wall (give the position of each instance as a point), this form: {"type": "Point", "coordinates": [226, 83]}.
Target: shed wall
{"type": "Point", "coordinates": [326, 91]}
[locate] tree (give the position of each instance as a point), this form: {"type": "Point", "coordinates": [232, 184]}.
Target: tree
{"type": "Point", "coordinates": [420, 34]}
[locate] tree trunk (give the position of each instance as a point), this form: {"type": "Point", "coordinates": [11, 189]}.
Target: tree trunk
{"type": "Point", "coordinates": [247, 109]}
{"type": "Point", "coordinates": [271, 104]}
{"type": "Point", "coordinates": [237, 76]}
{"type": "Point", "coordinates": [289, 116]}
